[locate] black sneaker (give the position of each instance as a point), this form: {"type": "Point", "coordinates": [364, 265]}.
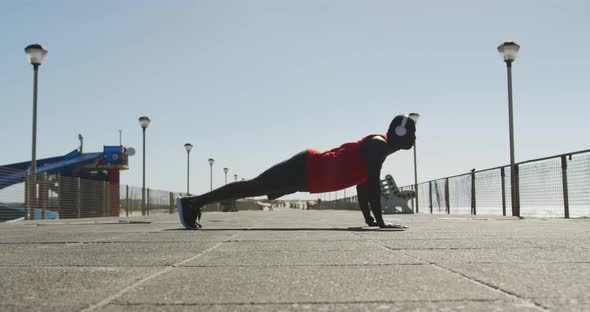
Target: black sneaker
{"type": "Point", "coordinates": [372, 223]}
{"type": "Point", "coordinates": [188, 215]}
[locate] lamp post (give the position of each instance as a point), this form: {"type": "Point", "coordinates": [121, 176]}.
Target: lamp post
{"type": "Point", "coordinates": [211, 161]}
{"type": "Point", "coordinates": [81, 138]}
{"type": "Point", "coordinates": [414, 117]}
{"type": "Point", "coordinates": [188, 147]}
{"type": "Point", "coordinates": [225, 170]}
{"type": "Point", "coordinates": [144, 122]}
{"type": "Point", "coordinates": [35, 55]}
{"type": "Point", "coordinates": [509, 51]}
{"type": "Point", "coordinates": [235, 177]}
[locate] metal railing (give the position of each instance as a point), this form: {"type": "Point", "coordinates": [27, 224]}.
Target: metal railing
{"type": "Point", "coordinates": [555, 186]}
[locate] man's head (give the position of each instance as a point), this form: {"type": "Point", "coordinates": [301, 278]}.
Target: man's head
{"type": "Point", "coordinates": [402, 131]}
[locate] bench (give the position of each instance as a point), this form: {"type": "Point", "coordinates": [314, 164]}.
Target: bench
{"type": "Point", "coordinates": [396, 201]}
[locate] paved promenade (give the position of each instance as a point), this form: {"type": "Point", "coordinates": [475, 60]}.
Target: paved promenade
{"type": "Point", "coordinates": [293, 260]}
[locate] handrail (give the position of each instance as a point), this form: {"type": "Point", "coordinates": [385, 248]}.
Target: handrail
{"type": "Point", "coordinates": [505, 166]}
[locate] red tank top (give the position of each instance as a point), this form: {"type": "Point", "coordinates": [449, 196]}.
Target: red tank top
{"type": "Point", "coordinates": [337, 168]}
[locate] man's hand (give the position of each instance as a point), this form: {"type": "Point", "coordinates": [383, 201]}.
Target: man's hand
{"type": "Point", "coordinates": [386, 225]}
{"type": "Point", "coordinates": [392, 226]}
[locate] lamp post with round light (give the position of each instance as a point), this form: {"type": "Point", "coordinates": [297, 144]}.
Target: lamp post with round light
{"type": "Point", "coordinates": [414, 117]}
{"type": "Point", "coordinates": [509, 51]}
{"type": "Point", "coordinates": [188, 147]}
{"type": "Point", "coordinates": [36, 55]}
{"type": "Point", "coordinates": [211, 161]}
{"type": "Point", "coordinates": [144, 122]}
{"type": "Point", "coordinates": [225, 170]}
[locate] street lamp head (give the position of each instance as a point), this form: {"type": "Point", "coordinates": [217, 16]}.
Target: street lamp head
{"type": "Point", "coordinates": [225, 170]}
{"type": "Point", "coordinates": [188, 147]}
{"type": "Point", "coordinates": [414, 117]}
{"type": "Point", "coordinates": [144, 121]}
{"type": "Point", "coordinates": [36, 54]}
{"type": "Point", "coordinates": [211, 161]}
{"type": "Point", "coordinates": [509, 50]}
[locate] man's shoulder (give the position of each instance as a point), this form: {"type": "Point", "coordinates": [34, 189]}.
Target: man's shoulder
{"type": "Point", "coordinates": [377, 141]}
{"type": "Point", "coordinates": [374, 139]}
{"type": "Point", "coordinates": [374, 145]}
{"type": "Point", "coordinates": [378, 138]}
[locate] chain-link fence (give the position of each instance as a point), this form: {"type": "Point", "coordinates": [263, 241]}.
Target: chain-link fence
{"type": "Point", "coordinates": [12, 194]}
{"type": "Point", "coordinates": [556, 186]}
{"type": "Point", "coordinates": [58, 196]}
{"type": "Point", "coordinates": [50, 196]}
{"type": "Point", "coordinates": [156, 201]}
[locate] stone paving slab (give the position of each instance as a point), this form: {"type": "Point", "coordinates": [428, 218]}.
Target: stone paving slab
{"type": "Point", "coordinates": [101, 254]}
{"type": "Point", "coordinates": [569, 243]}
{"type": "Point", "coordinates": [63, 288]}
{"type": "Point", "coordinates": [456, 243]}
{"type": "Point", "coordinates": [304, 245]}
{"type": "Point", "coordinates": [297, 234]}
{"type": "Point", "coordinates": [442, 306]}
{"type": "Point", "coordinates": [303, 284]}
{"type": "Point", "coordinates": [301, 257]}
{"type": "Point", "coordinates": [175, 236]}
{"type": "Point", "coordinates": [52, 237]}
{"type": "Point", "coordinates": [501, 255]}
{"type": "Point", "coordinates": [35, 307]}
{"type": "Point", "coordinates": [565, 304]}
{"type": "Point", "coordinates": [531, 280]}
{"type": "Point", "coordinates": [61, 230]}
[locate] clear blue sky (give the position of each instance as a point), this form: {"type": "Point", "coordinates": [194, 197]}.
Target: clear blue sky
{"type": "Point", "coordinates": [249, 83]}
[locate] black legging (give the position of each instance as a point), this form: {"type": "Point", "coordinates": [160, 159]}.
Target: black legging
{"type": "Point", "coordinates": [281, 179]}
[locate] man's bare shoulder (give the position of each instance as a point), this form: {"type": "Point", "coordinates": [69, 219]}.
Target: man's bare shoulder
{"type": "Point", "coordinates": [377, 142]}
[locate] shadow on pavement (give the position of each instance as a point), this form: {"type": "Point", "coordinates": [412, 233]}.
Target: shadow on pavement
{"type": "Point", "coordinates": [350, 229]}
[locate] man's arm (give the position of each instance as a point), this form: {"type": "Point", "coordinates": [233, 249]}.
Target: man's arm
{"type": "Point", "coordinates": [376, 152]}
{"type": "Point", "coordinates": [361, 191]}
{"type": "Point", "coordinates": [374, 194]}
